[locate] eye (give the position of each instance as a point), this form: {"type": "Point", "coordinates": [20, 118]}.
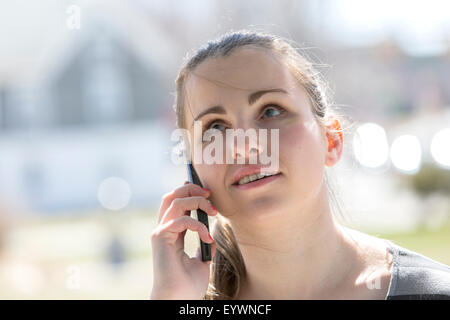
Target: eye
{"type": "Point", "coordinates": [212, 125]}
{"type": "Point", "coordinates": [210, 129]}
{"type": "Point", "coordinates": [272, 110]}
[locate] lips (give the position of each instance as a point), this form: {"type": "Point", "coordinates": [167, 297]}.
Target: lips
{"type": "Point", "coordinates": [248, 171]}
{"type": "Point", "coordinates": [256, 183]}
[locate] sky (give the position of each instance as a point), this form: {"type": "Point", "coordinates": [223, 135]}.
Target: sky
{"type": "Point", "coordinates": [421, 26]}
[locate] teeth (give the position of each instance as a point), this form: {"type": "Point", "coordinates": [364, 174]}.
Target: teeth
{"type": "Point", "coordinates": [254, 177]}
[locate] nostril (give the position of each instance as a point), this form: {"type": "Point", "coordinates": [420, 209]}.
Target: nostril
{"type": "Point", "coordinates": [253, 151]}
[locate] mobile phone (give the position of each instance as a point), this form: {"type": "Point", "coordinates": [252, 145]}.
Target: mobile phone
{"type": "Point", "coordinates": [201, 215]}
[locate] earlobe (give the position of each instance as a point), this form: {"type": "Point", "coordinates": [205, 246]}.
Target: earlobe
{"type": "Point", "coordinates": [335, 153]}
{"type": "Point", "coordinates": [332, 157]}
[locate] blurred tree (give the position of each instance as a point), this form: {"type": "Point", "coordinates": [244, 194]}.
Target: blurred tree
{"type": "Point", "coordinates": [430, 179]}
{"type": "Point", "coordinates": [429, 182]}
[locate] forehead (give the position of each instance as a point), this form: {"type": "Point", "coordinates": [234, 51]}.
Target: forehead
{"type": "Point", "coordinates": [246, 70]}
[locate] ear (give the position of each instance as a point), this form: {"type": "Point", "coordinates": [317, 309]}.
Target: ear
{"type": "Point", "coordinates": [335, 141]}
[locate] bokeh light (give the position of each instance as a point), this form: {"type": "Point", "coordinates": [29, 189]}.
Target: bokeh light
{"type": "Point", "coordinates": [370, 145]}
{"type": "Point", "coordinates": [406, 153]}
{"type": "Point", "coordinates": [440, 147]}
{"type": "Point", "coordinates": [114, 193]}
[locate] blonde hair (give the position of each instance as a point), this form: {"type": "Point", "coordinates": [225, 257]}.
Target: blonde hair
{"type": "Point", "coordinates": [228, 268]}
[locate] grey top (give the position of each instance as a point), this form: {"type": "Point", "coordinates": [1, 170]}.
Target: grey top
{"type": "Point", "coordinates": [416, 277]}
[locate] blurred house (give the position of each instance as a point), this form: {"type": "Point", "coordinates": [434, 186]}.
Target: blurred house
{"type": "Point", "coordinates": [384, 84]}
{"type": "Point", "coordinates": [114, 69]}
{"type": "Point", "coordinates": [96, 106]}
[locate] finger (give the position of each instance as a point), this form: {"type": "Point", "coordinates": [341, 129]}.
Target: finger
{"type": "Point", "coordinates": [186, 190]}
{"type": "Point", "coordinates": [174, 227]}
{"type": "Point", "coordinates": [179, 206]}
{"type": "Point", "coordinates": [180, 240]}
{"type": "Point", "coordinates": [198, 254]}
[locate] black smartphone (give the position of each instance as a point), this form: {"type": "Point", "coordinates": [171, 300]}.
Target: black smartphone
{"type": "Point", "coordinates": [201, 215]}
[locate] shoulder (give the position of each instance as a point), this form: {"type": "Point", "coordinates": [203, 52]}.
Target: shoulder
{"type": "Point", "coordinates": [415, 276]}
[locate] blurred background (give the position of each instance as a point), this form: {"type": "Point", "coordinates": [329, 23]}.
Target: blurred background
{"type": "Point", "coordinates": [86, 94]}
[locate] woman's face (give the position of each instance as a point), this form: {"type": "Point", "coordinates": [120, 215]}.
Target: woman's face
{"type": "Point", "coordinates": [303, 145]}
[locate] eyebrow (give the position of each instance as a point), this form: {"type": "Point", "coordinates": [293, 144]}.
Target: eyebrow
{"type": "Point", "coordinates": [252, 98]}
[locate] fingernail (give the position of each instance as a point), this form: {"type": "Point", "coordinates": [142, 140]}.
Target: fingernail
{"type": "Point", "coordinates": [210, 237]}
{"type": "Point", "coordinates": [205, 189]}
{"type": "Point", "coordinates": [214, 208]}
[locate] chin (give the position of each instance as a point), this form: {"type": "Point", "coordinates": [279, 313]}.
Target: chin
{"type": "Point", "coordinates": [262, 209]}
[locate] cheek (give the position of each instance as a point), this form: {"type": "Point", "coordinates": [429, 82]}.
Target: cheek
{"type": "Point", "coordinates": [301, 154]}
{"type": "Point", "coordinates": [210, 174]}
{"type": "Point", "coordinates": [291, 138]}
{"type": "Point", "coordinates": [213, 178]}
{"type": "Point", "coordinates": [300, 139]}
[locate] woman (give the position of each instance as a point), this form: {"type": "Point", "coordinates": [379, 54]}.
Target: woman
{"type": "Point", "coordinates": [276, 238]}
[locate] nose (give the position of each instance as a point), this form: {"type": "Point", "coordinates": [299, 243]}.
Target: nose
{"type": "Point", "coordinates": [245, 147]}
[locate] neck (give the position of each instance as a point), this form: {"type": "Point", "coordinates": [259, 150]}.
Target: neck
{"type": "Point", "coordinates": [304, 257]}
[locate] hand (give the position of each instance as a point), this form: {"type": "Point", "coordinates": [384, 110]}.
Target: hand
{"type": "Point", "coordinates": [175, 274]}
